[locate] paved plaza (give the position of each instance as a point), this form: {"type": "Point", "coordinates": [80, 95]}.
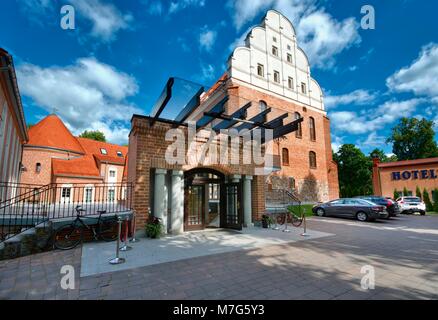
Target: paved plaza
{"type": "Point", "coordinates": [403, 252]}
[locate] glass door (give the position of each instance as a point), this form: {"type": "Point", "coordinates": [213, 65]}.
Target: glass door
{"type": "Point", "coordinates": [194, 208]}
{"type": "Point", "coordinates": [232, 213]}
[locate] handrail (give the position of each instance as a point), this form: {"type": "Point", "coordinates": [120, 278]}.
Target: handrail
{"type": "Point", "coordinates": [32, 192]}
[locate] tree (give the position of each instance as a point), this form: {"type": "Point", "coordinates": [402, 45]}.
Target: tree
{"type": "Point", "coordinates": [354, 171]}
{"type": "Point", "coordinates": [413, 139]}
{"type": "Point", "coordinates": [94, 135]}
{"type": "Point", "coordinates": [418, 193]}
{"type": "Point", "coordinates": [405, 192]}
{"type": "Point", "coordinates": [396, 194]}
{"type": "Point", "coordinates": [426, 199]}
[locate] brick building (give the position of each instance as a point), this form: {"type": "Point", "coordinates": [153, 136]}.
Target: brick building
{"type": "Point", "coordinates": [13, 132]}
{"type": "Point", "coordinates": [54, 155]}
{"type": "Point", "coordinates": [405, 175]}
{"type": "Point", "coordinates": [268, 81]}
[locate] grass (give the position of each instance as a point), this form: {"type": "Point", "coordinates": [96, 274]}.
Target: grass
{"type": "Point", "coordinates": [432, 213]}
{"type": "Point", "coordinates": [307, 207]}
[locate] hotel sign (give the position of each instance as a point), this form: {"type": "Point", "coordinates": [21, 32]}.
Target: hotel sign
{"type": "Point", "coordinates": [428, 174]}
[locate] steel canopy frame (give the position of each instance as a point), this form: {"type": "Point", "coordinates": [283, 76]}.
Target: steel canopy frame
{"type": "Point", "coordinates": [163, 100]}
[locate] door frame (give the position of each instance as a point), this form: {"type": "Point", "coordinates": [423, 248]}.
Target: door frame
{"type": "Point", "coordinates": [224, 207]}
{"type": "Point", "coordinates": [201, 226]}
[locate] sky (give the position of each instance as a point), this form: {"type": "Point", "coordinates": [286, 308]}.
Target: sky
{"type": "Point", "coordinates": [119, 56]}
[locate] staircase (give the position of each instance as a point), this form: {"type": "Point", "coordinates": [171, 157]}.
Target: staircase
{"type": "Point", "coordinates": [278, 200]}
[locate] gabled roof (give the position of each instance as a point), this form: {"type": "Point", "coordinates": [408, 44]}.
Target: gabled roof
{"type": "Point", "coordinates": [94, 147]}
{"type": "Point", "coordinates": [81, 166]}
{"type": "Point", "coordinates": [51, 132]}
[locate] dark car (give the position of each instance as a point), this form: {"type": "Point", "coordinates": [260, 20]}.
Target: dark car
{"type": "Point", "coordinates": [391, 206]}
{"type": "Point", "coordinates": [360, 209]}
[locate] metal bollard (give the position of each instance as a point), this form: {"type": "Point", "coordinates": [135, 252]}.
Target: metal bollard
{"type": "Point", "coordinates": [305, 234]}
{"type": "Point", "coordinates": [134, 223]}
{"type": "Point", "coordinates": [275, 217]}
{"type": "Point", "coordinates": [117, 259]}
{"type": "Point", "coordinates": [125, 246]}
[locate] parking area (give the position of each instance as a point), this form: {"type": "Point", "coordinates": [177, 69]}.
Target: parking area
{"type": "Point", "coordinates": [402, 251]}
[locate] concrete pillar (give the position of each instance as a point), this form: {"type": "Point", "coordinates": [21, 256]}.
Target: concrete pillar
{"type": "Point", "coordinates": [177, 203]}
{"type": "Point", "coordinates": [160, 197]}
{"type": "Point", "coordinates": [247, 202]}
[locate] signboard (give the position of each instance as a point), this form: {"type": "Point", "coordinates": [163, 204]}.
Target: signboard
{"type": "Point", "coordinates": [429, 174]}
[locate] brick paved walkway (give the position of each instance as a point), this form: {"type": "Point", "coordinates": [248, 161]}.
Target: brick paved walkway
{"type": "Point", "coordinates": [404, 253]}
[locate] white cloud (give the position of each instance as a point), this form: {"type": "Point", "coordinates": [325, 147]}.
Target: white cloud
{"type": "Point", "coordinates": [320, 35]}
{"type": "Point", "coordinates": [357, 97]}
{"type": "Point", "coordinates": [156, 8]}
{"type": "Point", "coordinates": [374, 119]}
{"type": "Point", "coordinates": [176, 6]}
{"type": "Point", "coordinates": [207, 39]}
{"type": "Point", "coordinates": [337, 143]}
{"type": "Point", "coordinates": [373, 140]}
{"type": "Point", "coordinates": [105, 18]}
{"type": "Point", "coordinates": [86, 95]}
{"type": "Point", "coordinates": [421, 76]}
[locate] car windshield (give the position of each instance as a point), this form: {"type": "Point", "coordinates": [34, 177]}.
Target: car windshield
{"type": "Point", "coordinates": [412, 199]}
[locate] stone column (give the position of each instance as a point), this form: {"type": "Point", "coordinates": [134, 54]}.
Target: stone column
{"type": "Point", "coordinates": [160, 197]}
{"type": "Point", "coordinates": [177, 203]}
{"type": "Point", "coordinates": [247, 202]}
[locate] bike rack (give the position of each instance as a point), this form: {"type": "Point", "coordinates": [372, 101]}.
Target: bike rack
{"type": "Point", "coordinates": [125, 246]}
{"type": "Point", "coordinates": [305, 234]}
{"type": "Point", "coordinates": [134, 224]}
{"type": "Point", "coordinates": [117, 259]}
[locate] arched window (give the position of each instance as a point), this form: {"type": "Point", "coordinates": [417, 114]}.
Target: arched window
{"type": "Point", "coordinates": [38, 167]}
{"type": "Point", "coordinates": [285, 156]}
{"type": "Point", "coordinates": [299, 132]}
{"type": "Point", "coordinates": [263, 106]}
{"type": "Point", "coordinates": [312, 129]}
{"type": "Point", "coordinates": [312, 159]}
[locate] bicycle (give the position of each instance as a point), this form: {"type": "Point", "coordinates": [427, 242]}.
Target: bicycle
{"type": "Point", "coordinates": [69, 236]}
{"type": "Point", "coordinates": [292, 218]}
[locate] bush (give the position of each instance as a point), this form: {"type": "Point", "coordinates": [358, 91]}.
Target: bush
{"type": "Point", "coordinates": [154, 228]}
{"type": "Point", "coordinates": [426, 199]}
{"type": "Point", "coordinates": [405, 192]}
{"type": "Point", "coordinates": [418, 193]}
{"type": "Point", "coordinates": [435, 200]}
{"type": "Point", "coordinates": [396, 194]}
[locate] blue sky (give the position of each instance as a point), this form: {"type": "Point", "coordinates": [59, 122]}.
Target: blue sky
{"type": "Point", "coordinates": [121, 53]}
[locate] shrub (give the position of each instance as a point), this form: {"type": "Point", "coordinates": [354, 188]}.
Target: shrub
{"type": "Point", "coordinates": [396, 194]}
{"type": "Point", "coordinates": [154, 228]}
{"type": "Point", "coordinates": [426, 199]}
{"type": "Point", "coordinates": [435, 200]}
{"type": "Point", "coordinates": [418, 193]}
{"type": "Point", "coordinates": [405, 192]}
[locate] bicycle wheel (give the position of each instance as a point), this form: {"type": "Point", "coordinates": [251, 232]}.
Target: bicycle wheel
{"type": "Point", "coordinates": [295, 220]}
{"type": "Point", "coordinates": [68, 237]}
{"type": "Point", "coordinates": [281, 218]}
{"type": "Point", "coordinates": [108, 230]}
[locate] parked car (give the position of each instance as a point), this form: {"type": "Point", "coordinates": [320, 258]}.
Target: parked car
{"type": "Point", "coordinates": [391, 206]}
{"type": "Point", "coordinates": [362, 210]}
{"type": "Point", "coordinates": [410, 205]}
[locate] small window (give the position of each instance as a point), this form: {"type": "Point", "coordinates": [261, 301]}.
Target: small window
{"type": "Point", "coordinates": [312, 129]}
{"type": "Point", "coordinates": [285, 156]}
{"type": "Point", "coordinates": [260, 70]}
{"type": "Point", "coordinates": [312, 160]}
{"type": "Point", "coordinates": [299, 132]}
{"type": "Point", "coordinates": [112, 174]}
{"type": "Point", "coordinates": [292, 183]}
{"type": "Point", "coordinates": [289, 58]}
{"type": "Point", "coordinates": [119, 154]}
{"type": "Point", "coordinates": [288, 47]}
{"type": "Point", "coordinates": [263, 106]}
{"type": "Point", "coordinates": [111, 195]}
{"type": "Point", "coordinates": [277, 76]}
{"type": "Point", "coordinates": [38, 168]}
{"type": "Point", "coordinates": [103, 151]}
{"type": "Point", "coordinates": [303, 88]}
{"type": "Point", "coordinates": [290, 83]}
{"type": "Point", "coordinates": [274, 39]}
{"type": "Point", "coordinates": [275, 51]}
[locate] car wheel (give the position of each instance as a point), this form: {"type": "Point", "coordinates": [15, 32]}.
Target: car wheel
{"type": "Point", "coordinates": [423, 213]}
{"type": "Point", "coordinates": [362, 216]}
{"type": "Point", "coordinates": [320, 212]}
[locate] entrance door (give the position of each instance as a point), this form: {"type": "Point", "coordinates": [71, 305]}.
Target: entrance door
{"type": "Point", "coordinates": [194, 199]}
{"type": "Point", "coordinates": [232, 211]}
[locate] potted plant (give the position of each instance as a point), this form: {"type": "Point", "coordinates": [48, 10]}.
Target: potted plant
{"type": "Point", "coordinates": [267, 221]}
{"type": "Point", "coordinates": [154, 228]}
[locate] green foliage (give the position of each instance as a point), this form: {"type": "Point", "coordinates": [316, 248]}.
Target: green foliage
{"type": "Point", "coordinates": [396, 194]}
{"type": "Point", "coordinates": [413, 139]}
{"type": "Point", "coordinates": [154, 228]}
{"type": "Point", "coordinates": [435, 200]}
{"type": "Point", "coordinates": [426, 199]}
{"type": "Point", "coordinates": [354, 171]}
{"type": "Point", "coordinates": [405, 192]}
{"type": "Point", "coordinates": [418, 193]}
{"type": "Point", "coordinates": [306, 208]}
{"type": "Point", "coordinates": [94, 135]}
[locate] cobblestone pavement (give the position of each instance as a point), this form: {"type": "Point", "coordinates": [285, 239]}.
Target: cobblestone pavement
{"type": "Point", "coordinates": [403, 251]}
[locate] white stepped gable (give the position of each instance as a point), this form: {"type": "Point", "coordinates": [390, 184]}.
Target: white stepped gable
{"type": "Point", "coordinates": [289, 67]}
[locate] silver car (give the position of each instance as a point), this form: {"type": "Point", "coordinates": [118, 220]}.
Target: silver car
{"type": "Point", "coordinates": [362, 210]}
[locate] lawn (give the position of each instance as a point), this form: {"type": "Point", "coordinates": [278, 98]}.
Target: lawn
{"type": "Point", "coordinates": [306, 207]}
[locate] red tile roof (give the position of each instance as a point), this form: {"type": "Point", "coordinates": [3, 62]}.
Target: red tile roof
{"type": "Point", "coordinates": [51, 132]}
{"type": "Point", "coordinates": [82, 166]}
{"type": "Point", "coordinates": [94, 147]}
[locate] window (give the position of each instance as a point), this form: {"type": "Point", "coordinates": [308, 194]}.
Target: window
{"type": "Point", "coordinates": [274, 39]}
{"type": "Point", "coordinates": [263, 106]}
{"type": "Point", "coordinates": [290, 83]}
{"type": "Point", "coordinates": [303, 88]}
{"type": "Point", "coordinates": [288, 47]}
{"type": "Point", "coordinates": [299, 132]}
{"type": "Point", "coordinates": [103, 151]}
{"type": "Point", "coordinates": [289, 58]}
{"type": "Point", "coordinates": [214, 191]}
{"type": "Point", "coordinates": [275, 51]}
{"type": "Point", "coordinates": [285, 156]}
{"type": "Point", "coordinates": [66, 193]}
{"type": "Point", "coordinates": [38, 167]}
{"type": "Point", "coordinates": [119, 154]}
{"type": "Point", "coordinates": [88, 194]}
{"type": "Point", "coordinates": [292, 183]}
{"type": "Point", "coordinates": [260, 70]}
{"type": "Point", "coordinates": [111, 195]}
{"type": "Point", "coordinates": [277, 76]}
{"type": "Point", "coordinates": [312, 159]}
{"type": "Point", "coordinates": [312, 129]}
{"type": "Point", "coordinates": [112, 174]}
